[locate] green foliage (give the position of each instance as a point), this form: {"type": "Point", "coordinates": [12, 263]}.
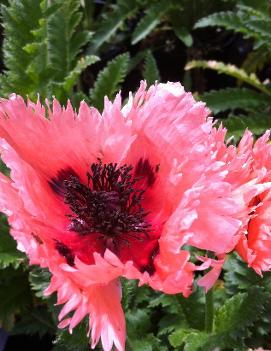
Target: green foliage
{"type": "Point", "coordinates": [9, 255]}
{"type": "Point", "coordinates": [183, 34]}
{"type": "Point", "coordinates": [231, 324]}
{"type": "Point", "coordinates": [230, 70]}
{"type": "Point", "coordinates": [15, 295]}
{"type": "Point", "coordinates": [39, 280]}
{"type": "Point", "coordinates": [38, 321]}
{"type": "Point", "coordinates": [47, 48]}
{"type": "Point", "coordinates": [109, 80]}
{"type": "Point", "coordinates": [235, 98]}
{"type": "Point", "coordinates": [151, 72]}
{"type": "Point", "coordinates": [257, 122]}
{"type": "Point", "coordinates": [111, 22]}
{"type": "Point", "coordinates": [250, 22]}
{"type": "Point", "coordinates": [26, 16]}
{"type": "Point", "coordinates": [238, 278]}
{"type": "Point", "coordinates": [150, 20]}
{"type": "Point", "coordinates": [77, 341]}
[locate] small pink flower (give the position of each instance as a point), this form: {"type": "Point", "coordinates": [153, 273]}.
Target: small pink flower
{"type": "Point", "coordinates": [95, 198]}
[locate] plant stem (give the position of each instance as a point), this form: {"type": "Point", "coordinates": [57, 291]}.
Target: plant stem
{"type": "Point", "coordinates": [209, 310]}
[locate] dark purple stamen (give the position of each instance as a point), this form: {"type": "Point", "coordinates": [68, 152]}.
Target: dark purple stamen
{"type": "Point", "coordinates": [57, 183]}
{"type": "Point", "coordinates": [110, 204]}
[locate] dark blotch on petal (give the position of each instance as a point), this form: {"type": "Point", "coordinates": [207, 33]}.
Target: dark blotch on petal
{"type": "Point", "coordinates": [57, 183]}
{"type": "Point", "coordinates": [145, 170]}
{"type": "Point", "coordinates": [66, 252]}
{"type": "Point", "coordinates": [150, 266]}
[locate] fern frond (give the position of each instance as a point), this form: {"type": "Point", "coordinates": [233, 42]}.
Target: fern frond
{"type": "Point", "coordinates": [246, 20]}
{"type": "Point", "coordinates": [73, 75]}
{"type": "Point", "coordinates": [65, 42]}
{"type": "Point", "coordinates": [151, 72]}
{"type": "Point", "coordinates": [41, 55]}
{"type": "Point", "coordinates": [255, 122]}
{"type": "Point", "coordinates": [109, 80]}
{"type": "Point", "coordinates": [150, 20]}
{"type": "Point", "coordinates": [26, 16]}
{"type": "Point", "coordinates": [111, 23]}
{"type": "Point", "coordinates": [9, 255]}
{"type": "Point", "coordinates": [233, 98]}
{"type": "Point", "coordinates": [230, 70]}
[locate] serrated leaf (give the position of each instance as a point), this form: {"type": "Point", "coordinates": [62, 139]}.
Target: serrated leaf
{"type": "Point", "coordinates": [256, 122]}
{"type": "Point", "coordinates": [230, 70]}
{"type": "Point", "coordinates": [227, 19]}
{"type": "Point", "coordinates": [112, 22]}
{"type": "Point", "coordinates": [9, 255]}
{"type": "Point", "coordinates": [44, 52]}
{"type": "Point", "coordinates": [77, 341]}
{"type": "Point", "coordinates": [138, 323]}
{"type": "Point", "coordinates": [38, 321]}
{"type": "Point", "coordinates": [24, 15]}
{"type": "Point", "coordinates": [177, 338]}
{"type": "Point", "coordinates": [150, 20]}
{"type": "Point", "coordinates": [39, 280]}
{"type": "Point", "coordinates": [64, 41]}
{"type": "Point", "coordinates": [81, 65]}
{"type": "Point", "coordinates": [239, 277]}
{"type": "Point", "coordinates": [109, 80]}
{"type": "Point", "coordinates": [239, 312]}
{"type": "Point", "coordinates": [150, 72]}
{"type": "Point", "coordinates": [233, 98]}
{"type": "Point", "coordinates": [246, 20]}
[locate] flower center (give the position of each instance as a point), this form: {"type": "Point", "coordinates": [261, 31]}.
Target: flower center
{"type": "Point", "coordinates": [110, 203]}
{"type": "Point", "coordinates": [107, 213]}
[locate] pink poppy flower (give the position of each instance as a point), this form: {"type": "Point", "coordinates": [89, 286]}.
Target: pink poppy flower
{"type": "Point", "coordinates": [249, 172]}
{"type": "Point", "coordinates": [97, 197]}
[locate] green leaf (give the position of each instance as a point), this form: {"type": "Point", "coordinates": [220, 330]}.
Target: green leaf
{"type": "Point", "coordinates": [39, 279]}
{"type": "Point", "coordinates": [111, 23]}
{"type": "Point", "coordinates": [233, 98]}
{"type": "Point", "coordinates": [15, 295]}
{"type": "Point", "coordinates": [183, 34]}
{"type": "Point", "coordinates": [256, 59]}
{"type": "Point", "coordinates": [43, 55]}
{"type": "Point", "coordinates": [38, 321]}
{"type": "Point", "coordinates": [239, 277]}
{"type": "Point", "coordinates": [194, 308]}
{"type": "Point", "coordinates": [24, 15]}
{"type": "Point", "coordinates": [150, 20]}
{"type": "Point", "coordinates": [228, 19]}
{"type": "Point", "coordinates": [239, 312]}
{"type": "Point", "coordinates": [246, 20]}
{"type": "Point", "coordinates": [65, 42]}
{"type": "Point", "coordinates": [230, 70]}
{"type": "Point", "coordinates": [256, 122]}
{"type": "Point", "coordinates": [81, 65]}
{"type": "Point", "coordinates": [9, 255]}
{"type": "Point", "coordinates": [77, 341]}
{"type": "Point", "coordinates": [178, 337]}
{"type": "Point", "coordinates": [109, 80]}
{"type": "Point", "coordinates": [151, 72]}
